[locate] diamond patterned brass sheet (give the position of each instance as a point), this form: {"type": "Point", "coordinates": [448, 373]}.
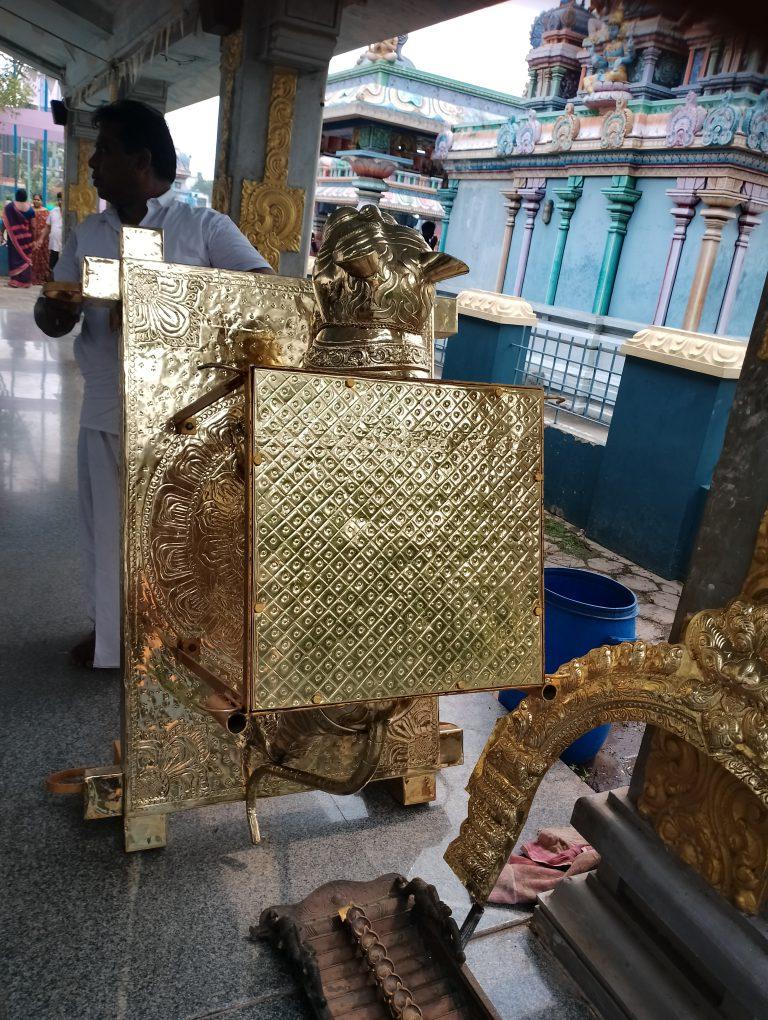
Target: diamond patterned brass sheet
{"type": "Point", "coordinates": [396, 538]}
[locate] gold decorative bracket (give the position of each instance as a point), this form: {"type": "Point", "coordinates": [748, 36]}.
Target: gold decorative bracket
{"type": "Point", "coordinates": [270, 211]}
{"type": "Point", "coordinates": [82, 199]}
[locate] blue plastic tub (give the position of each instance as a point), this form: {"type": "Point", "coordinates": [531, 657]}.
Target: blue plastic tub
{"type": "Point", "coordinates": [582, 610]}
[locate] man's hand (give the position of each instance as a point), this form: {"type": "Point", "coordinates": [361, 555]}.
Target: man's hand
{"type": "Point", "coordinates": [57, 310]}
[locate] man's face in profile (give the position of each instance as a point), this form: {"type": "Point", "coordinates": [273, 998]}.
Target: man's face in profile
{"type": "Point", "coordinates": [116, 173]}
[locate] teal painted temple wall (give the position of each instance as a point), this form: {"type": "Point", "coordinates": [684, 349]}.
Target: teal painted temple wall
{"type": "Point", "coordinates": [475, 234]}
{"type": "Point", "coordinates": [477, 226]}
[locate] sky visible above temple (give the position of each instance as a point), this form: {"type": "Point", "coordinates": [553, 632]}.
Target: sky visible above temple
{"type": "Point", "coordinates": [486, 48]}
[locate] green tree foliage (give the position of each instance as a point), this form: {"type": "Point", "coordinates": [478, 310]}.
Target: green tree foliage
{"type": "Point", "coordinates": [15, 83]}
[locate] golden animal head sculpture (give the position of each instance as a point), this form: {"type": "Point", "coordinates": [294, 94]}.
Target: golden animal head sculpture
{"type": "Point", "coordinates": [374, 283]}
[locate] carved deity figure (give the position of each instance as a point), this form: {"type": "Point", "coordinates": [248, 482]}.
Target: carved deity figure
{"type": "Point", "coordinates": [374, 283]}
{"type": "Point", "coordinates": [611, 50]}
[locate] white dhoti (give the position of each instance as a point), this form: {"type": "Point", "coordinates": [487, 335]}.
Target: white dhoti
{"type": "Point", "coordinates": [98, 475]}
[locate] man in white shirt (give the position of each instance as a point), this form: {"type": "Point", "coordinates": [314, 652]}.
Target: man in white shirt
{"type": "Point", "coordinates": [56, 230]}
{"type": "Point", "coordinates": [134, 165]}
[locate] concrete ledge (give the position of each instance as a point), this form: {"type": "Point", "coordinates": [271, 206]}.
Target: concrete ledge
{"type": "Point", "coordinates": [494, 307]}
{"type": "Point", "coordinates": [696, 352]}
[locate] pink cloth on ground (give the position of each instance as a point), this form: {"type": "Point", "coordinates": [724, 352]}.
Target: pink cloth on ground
{"type": "Point", "coordinates": [522, 879]}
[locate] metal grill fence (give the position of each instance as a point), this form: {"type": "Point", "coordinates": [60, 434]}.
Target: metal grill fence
{"type": "Point", "coordinates": [584, 371]}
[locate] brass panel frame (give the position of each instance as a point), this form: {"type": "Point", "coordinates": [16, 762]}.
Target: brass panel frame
{"type": "Point", "coordinates": [432, 581]}
{"type": "Point", "coordinates": [175, 319]}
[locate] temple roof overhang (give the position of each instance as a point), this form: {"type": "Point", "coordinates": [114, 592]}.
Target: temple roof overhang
{"type": "Point", "coordinates": [85, 43]}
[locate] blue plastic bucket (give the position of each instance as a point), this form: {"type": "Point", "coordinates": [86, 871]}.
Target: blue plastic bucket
{"type": "Point", "coordinates": [582, 610]}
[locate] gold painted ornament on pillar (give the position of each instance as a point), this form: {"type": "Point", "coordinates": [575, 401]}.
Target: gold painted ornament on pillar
{"type": "Point", "coordinates": [270, 211]}
{"type": "Point", "coordinates": [82, 199]}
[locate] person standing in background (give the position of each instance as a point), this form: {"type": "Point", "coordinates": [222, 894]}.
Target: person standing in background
{"type": "Point", "coordinates": [41, 228]}
{"type": "Point", "coordinates": [134, 166]}
{"type": "Point", "coordinates": [16, 220]}
{"type": "Point", "coordinates": [56, 221]}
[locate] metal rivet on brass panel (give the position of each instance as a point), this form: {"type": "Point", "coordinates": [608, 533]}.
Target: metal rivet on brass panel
{"type": "Point", "coordinates": [539, 476]}
{"type": "Point", "coordinates": [350, 383]}
{"type": "Point", "coordinates": [259, 607]}
{"type": "Point", "coordinates": [497, 391]}
{"type": "Point", "coordinates": [318, 699]}
{"type": "Point", "coordinates": [537, 609]}
{"type": "Point", "coordinates": [258, 459]}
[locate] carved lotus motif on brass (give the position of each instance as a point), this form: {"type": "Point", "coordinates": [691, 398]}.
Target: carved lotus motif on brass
{"type": "Point", "coordinates": [194, 547]}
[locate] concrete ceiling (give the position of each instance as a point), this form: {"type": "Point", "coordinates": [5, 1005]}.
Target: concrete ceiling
{"type": "Point", "coordinates": [78, 41]}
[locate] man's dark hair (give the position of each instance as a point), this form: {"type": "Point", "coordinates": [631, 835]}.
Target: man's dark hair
{"type": "Point", "coordinates": [141, 127]}
{"type": "Point", "coordinates": [59, 195]}
{"type": "Point", "coordinates": [21, 194]}
{"type": "Point", "coordinates": [428, 230]}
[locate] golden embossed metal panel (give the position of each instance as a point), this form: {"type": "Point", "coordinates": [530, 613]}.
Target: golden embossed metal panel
{"type": "Point", "coordinates": [184, 527]}
{"type": "Point", "coordinates": [396, 538]}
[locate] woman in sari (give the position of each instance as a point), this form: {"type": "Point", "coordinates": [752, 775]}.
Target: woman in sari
{"type": "Point", "coordinates": [16, 220]}
{"type": "Point", "coordinates": [41, 229]}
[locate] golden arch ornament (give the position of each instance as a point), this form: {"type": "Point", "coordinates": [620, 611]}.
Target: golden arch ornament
{"type": "Point", "coordinates": [711, 691]}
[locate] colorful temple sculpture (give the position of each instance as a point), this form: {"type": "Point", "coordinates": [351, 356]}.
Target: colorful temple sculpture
{"type": "Point", "coordinates": [634, 176]}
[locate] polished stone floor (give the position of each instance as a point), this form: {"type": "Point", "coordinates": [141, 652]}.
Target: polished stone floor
{"type": "Point", "coordinates": [89, 932]}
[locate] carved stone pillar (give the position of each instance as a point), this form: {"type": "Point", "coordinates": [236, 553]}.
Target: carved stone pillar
{"type": "Point", "coordinates": [565, 200]}
{"type": "Point", "coordinates": [557, 80]}
{"type": "Point", "coordinates": [685, 199]}
{"type": "Point", "coordinates": [718, 201]}
{"type": "Point", "coordinates": [531, 195]}
{"type": "Point", "coordinates": [273, 74]}
{"type": "Point", "coordinates": [372, 170]}
{"type": "Point", "coordinates": [650, 59]}
{"type": "Point", "coordinates": [80, 197]}
{"type": "Point", "coordinates": [752, 209]}
{"type": "Point", "coordinates": [622, 197]}
{"type": "Point", "coordinates": [512, 202]}
{"type": "Point", "coordinates": [447, 197]}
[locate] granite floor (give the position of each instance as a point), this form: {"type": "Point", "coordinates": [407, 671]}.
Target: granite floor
{"type": "Point", "coordinates": [89, 932]}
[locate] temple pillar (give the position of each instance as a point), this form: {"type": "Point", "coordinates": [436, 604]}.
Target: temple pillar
{"type": "Point", "coordinates": [447, 197]}
{"type": "Point", "coordinates": [557, 79]}
{"type": "Point", "coordinates": [512, 202]}
{"type": "Point", "coordinates": [685, 199]}
{"type": "Point", "coordinates": [751, 215]}
{"type": "Point", "coordinates": [565, 200]}
{"type": "Point", "coordinates": [718, 203]}
{"type": "Point", "coordinates": [372, 170]}
{"type": "Point", "coordinates": [80, 197]}
{"type": "Point", "coordinates": [531, 196]}
{"type": "Point", "coordinates": [532, 81]}
{"type": "Point", "coordinates": [273, 74]}
{"type": "Point", "coordinates": [622, 197]}
{"type": "Point", "coordinates": [650, 59]}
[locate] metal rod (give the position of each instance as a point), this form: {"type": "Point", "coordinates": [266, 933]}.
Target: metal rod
{"type": "Point", "coordinates": [216, 392]}
{"type": "Point", "coordinates": [471, 922]}
{"type": "Point", "coordinates": [226, 707]}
